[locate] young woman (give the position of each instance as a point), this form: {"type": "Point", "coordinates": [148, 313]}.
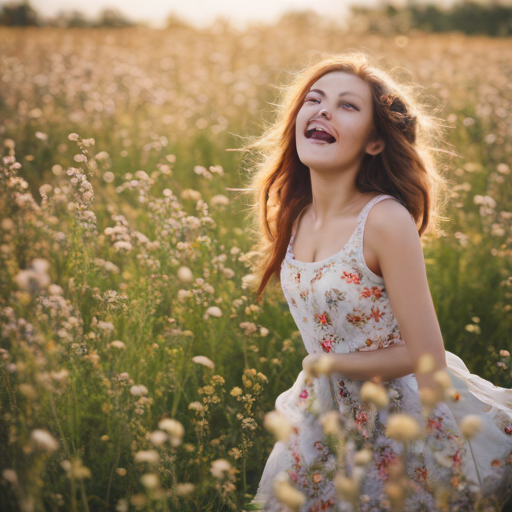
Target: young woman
{"type": "Point", "coordinates": [346, 187]}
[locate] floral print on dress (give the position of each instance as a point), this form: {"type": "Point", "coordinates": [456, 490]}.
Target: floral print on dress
{"type": "Point", "coordinates": [333, 296]}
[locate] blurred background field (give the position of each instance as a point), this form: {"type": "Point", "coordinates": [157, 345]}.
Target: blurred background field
{"type": "Point", "coordinates": [123, 254]}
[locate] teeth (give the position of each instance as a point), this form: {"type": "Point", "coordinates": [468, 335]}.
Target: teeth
{"type": "Point", "coordinates": [319, 128]}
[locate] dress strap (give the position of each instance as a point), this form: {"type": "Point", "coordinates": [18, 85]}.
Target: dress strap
{"type": "Point", "coordinates": [366, 210]}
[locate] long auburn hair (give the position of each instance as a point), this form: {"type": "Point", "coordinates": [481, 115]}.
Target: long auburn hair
{"type": "Point", "coordinates": [406, 168]}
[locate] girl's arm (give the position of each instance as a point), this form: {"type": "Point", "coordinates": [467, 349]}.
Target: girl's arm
{"type": "Point", "coordinates": [388, 363]}
{"type": "Point", "coordinates": [392, 235]}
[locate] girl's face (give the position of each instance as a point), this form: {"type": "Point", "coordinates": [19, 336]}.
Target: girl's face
{"type": "Point", "coordinates": [341, 104]}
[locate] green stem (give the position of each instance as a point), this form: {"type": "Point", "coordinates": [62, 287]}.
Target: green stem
{"type": "Point", "coordinates": [66, 449]}
{"type": "Point", "coordinates": [112, 470]}
{"type": "Point", "coordinates": [84, 495]}
{"type": "Point", "coordinates": [476, 466]}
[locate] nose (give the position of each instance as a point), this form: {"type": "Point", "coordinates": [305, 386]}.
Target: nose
{"type": "Point", "coordinates": [325, 112]}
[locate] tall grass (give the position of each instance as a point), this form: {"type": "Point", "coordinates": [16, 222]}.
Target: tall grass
{"type": "Point", "coordinates": [114, 177]}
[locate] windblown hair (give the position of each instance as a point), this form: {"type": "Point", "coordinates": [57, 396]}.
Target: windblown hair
{"type": "Point", "coordinates": [405, 169]}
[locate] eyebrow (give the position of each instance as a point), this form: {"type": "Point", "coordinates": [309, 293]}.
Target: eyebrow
{"type": "Point", "coordinates": [322, 93]}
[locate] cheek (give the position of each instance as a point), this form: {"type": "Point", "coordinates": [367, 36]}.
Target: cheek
{"type": "Point", "coordinates": [353, 129]}
{"type": "Point", "coordinates": [300, 120]}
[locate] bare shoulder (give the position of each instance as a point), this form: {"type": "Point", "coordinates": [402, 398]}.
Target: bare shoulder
{"type": "Point", "coordinates": [389, 222]}
{"type": "Point", "coordinates": [391, 238]}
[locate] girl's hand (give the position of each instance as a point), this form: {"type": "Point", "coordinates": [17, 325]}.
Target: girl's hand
{"type": "Point", "coordinates": [318, 364]}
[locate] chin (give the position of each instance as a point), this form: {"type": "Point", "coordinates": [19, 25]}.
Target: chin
{"type": "Point", "coordinates": [318, 164]}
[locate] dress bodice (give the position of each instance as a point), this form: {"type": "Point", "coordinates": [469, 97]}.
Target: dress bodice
{"type": "Point", "coordinates": [338, 303]}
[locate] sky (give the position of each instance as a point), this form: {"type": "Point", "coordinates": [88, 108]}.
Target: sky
{"type": "Point", "coordinates": [200, 12]}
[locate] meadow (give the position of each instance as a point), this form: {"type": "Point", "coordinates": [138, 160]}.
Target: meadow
{"type": "Point", "coordinates": [136, 365]}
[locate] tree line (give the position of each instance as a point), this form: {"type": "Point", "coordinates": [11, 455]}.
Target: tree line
{"type": "Point", "coordinates": [468, 16]}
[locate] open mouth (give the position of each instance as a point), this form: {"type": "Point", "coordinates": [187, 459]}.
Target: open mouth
{"type": "Point", "coordinates": [317, 134]}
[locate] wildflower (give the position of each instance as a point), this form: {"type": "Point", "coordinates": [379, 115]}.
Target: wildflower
{"type": "Point", "coordinates": [287, 493]}
{"type": "Point", "coordinates": [346, 488]}
{"type": "Point", "coordinates": [219, 468]}
{"type": "Point", "coordinates": [228, 273]}
{"type": "Point", "coordinates": [174, 428]}
{"type": "Point", "coordinates": [139, 390]}
{"type": "Point", "coordinates": [28, 391]}
{"type": "Point", "coordinates": [108, 327]}
{"type": "Point", "coordinates": [205, 361]}
{"type": "Point", "coordinates": [444, 459]}
{"type": "Point", "coordinates": [73, 136]}
{"type": "Point", "coordinates": [363, 457]}
{"type": "Point", "coordinates": [217, 169]}
{"type": "Point", "coordinates": [122, 246]}
{"type": "Point", "coordinates": [318, 364]}
{"type": "Point", "coordinates": [218, 379]}
{"type": "Point", "coordinates": [442, 377]}
{"type": "Point", "coordinates": [138, 500]}
{"type": "Point", "coordinates": [103, 155]}
{"type": "Point", "coordinates": [263, 331]}
{"type": "Point", "coordinates": [189, 193]}
{"type": "Point", "coordinates": [43, 440]}
{"type": "Point", "coordinates": [219, 200]}
{"type": "Point", "coordinates": [248, 327]}
{"type": "Point", "coordinates": [428, 397]}
{"type": "Point", "coordinates": [196, 406]}
{"type": "Point", "coordinates": [470, 425]}
{"type": "Point", "coordinates": [504, 353]}
{"type": "Point", "coordinates": [208, 390]}
{"type": "Point", "coordinates": [185, 490]}
{"type": "Point", "coordinates": [236, 391]}
{"type": "Point", "coordinates": [235, 453]}
{"type": "Point", "coordinates": [35, 277]}
{"type": "Point", "coordinates": [374, 394]}
{"type": "Point", "coordinates": [402, 427]}
{"type": "Point", "coordinates": [183, 295]}
{"type": "Point", "coordinates": [158, 437]}
{"type": "Point", "coordinates": [185, 275]}
{"type": "Point", "coordinates": [249, 423]}
{"type": "Point", "coordinates": [80, 471]}
{"type": "Point", "coordinates": [150, 480]}
{"type": "Point", "coordinates": [395, 493]}
{"type": "Point", "coordinates": [117, 344]}
{"type": "Point", "coordinates": [453, 394]}
{"type": "Point", "coordinates": [121, 471]}
{"type": "Point", "coordinates": [426, 363]}
{"type": "Point", "coordinates": [11, 476]}
{"type": "Point", "coordinates": [261, 377]}
{"type": "Point", "coordinates": [149, 456]}
{"type": "Point", "coordinates": [330, 423]}
{"type": "Point", "coordinates": [277, 423]}
{"type": "Point", "coordinates": [249, 281]}
{"type": "Point", "coordinates": [214, 311]}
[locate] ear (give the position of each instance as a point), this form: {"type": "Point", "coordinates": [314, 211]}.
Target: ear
{"type": "Point", "coordinates": [375, 146]}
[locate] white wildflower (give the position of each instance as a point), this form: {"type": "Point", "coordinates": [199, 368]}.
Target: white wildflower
{"type": "Point", "coordinates": [139, 390]}
{"type": "Point", "coordinates": [205, 361]}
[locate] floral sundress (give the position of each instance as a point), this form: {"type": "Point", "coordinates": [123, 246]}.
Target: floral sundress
{"type": "Point", "coordinates": [340, 305]}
